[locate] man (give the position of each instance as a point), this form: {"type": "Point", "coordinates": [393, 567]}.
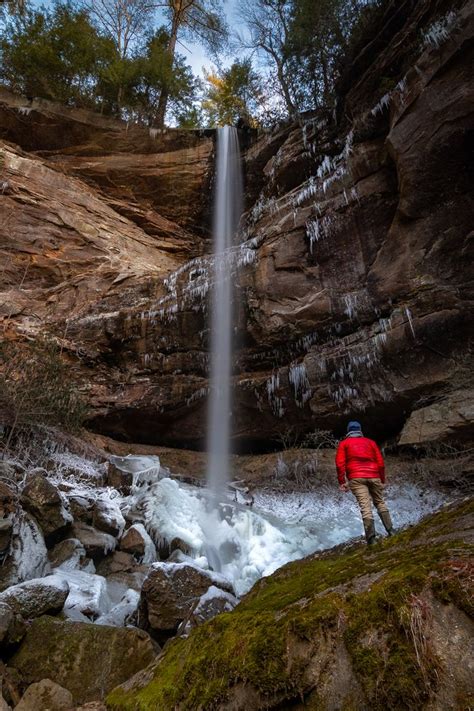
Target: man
{"type": "Point", "coordinates": [361, 461]}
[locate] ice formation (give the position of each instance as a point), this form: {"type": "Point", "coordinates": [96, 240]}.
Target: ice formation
{"type": "Point", "coordinates": [438, 32]}
{"type": "Point", "coordinates": [244, 542]}
{"type": "Point", "coordinates": [29, 553]}
{"type": "Point", "coordinates": [298, 377]}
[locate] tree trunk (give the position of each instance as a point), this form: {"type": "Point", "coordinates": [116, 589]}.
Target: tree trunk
{"type": "Point", "coordinates": [286, 91]}
{"type": "Point", "coordinates": [164, 95]}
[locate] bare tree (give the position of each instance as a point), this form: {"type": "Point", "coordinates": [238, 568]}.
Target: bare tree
{"type": "Point", "coordinates": [123, 20]}
{"type": "Point", "coordinates": [17, 6]}
{"type": "Point", "coordinates": [267, 22]}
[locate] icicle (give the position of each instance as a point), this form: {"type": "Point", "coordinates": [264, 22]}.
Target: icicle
{"type": "Point", "coordinates": [298, 377]}
{"type": "Point", "coordinates": [410, 321]}
{"type": "Point", "coordinates": [437, 33]}
{"type": "Point", "coordinates": [382, 105]}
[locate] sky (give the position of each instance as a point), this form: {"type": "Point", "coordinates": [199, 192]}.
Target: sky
{"type": "Point", "coordinates": [194, 54]}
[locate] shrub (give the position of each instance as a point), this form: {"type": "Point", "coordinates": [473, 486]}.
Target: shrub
{"type": "Point", "coordinates": [36, 388]}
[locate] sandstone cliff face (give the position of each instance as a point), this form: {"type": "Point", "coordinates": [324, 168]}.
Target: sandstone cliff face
{"type": "Point", "coordinates": [352, 277]}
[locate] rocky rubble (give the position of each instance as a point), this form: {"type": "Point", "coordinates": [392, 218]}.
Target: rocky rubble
{"type": "Point", "coordinates": [98, 581]}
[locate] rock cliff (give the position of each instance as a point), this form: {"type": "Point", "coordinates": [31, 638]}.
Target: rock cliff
{"type": "Point", "coordinates": [352, 277]}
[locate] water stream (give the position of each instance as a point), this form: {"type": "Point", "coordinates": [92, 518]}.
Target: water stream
{"type": "Point", "coordinates": [227, 211]}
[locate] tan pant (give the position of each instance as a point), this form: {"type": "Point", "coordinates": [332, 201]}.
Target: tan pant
{"type": "Point", "coordinates": [368, 491]}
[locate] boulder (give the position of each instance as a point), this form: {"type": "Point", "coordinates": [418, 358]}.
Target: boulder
{"type": "Point", "coordinates": [81, 508]}
{"type": "Point", "coordinates": [122, 568]}
{"type": "Point", "coordinates": [119, 479]}
{"type": "Point", "coordinates": [45, 695]}
{"type": "Point", "coordinates": [170, 593]}
{"type": "Point", "coordinates": [86, 659]}
{"type": "Point", "coordinates": [6, 529]}
{"type": "Point", "coordinates": [106, 516]}
{"type": "Point", "coordinates": [43, 500]}
{"type": "Point", "coordinates": [3, 705]}
{"type": "Point", "coordinates": [6, 619]}
{"type": "Point", "coordinates": [70, 554]}
{"type": "Point", "coordinates": [96, 543]}
{"type": "Point", "coordinates": [36, 597]}
{"type": "Point", "coordinates": [137, 542]}
{"type": "Point", "coordinates": [28, 556]}
{"type": "Point", "coordinates": [449, 419]}
{"type": "Point", "coordinates": [87, 597]}
{"type": "Point", "coordinates": [212, 603]}
{"type": "Point", "coordinates": [117, 562]}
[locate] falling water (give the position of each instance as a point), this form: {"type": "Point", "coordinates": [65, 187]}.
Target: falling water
{"type": "Point", "coordinates": [227, 211]}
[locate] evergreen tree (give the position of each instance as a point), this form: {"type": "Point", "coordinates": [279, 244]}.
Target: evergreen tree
{"type": "Point", "coordinates": [55, 54]}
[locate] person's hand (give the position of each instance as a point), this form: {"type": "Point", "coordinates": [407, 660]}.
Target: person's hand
{"type": "Point", "coordinates": [344, 488]}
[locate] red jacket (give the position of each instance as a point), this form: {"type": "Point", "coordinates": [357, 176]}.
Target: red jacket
{"type": "Point", "coordinates": [359, 458]}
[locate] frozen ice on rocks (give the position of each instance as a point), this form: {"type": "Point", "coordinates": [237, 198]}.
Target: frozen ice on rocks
{"type": "Point", "coordinates": [87, 593]}
{"type": "Point", "coordinates": [108, 517]}
{"type": "Point", "coordinates": [143, 468]}
{"type": "Point", "coordinates": [73, 466]}
{"type": "Point", "coordinates": [334, 517]}
{"type": "Point", "coordinates": [438, 32]}
{"type": "Point", "coordinates": [69, 555]}
{"type": "Point", "coordinates": [212, 594]}
{"type": "Point", "coordinates": [239, 541]}
{"type": "Point", "coordinates": [28, 550]}
{"type": "Point", "coordinates": [36, 597]}
{"type": "Point", "coordinates": [149, 554]}
{"type": "Point", "coordinates": [213, 602]}
{"type": "Point", "coordinates": [216, 579]}
{"type": "Point", "coordinates": [119, 614]}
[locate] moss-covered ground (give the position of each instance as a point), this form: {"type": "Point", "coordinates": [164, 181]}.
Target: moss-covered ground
{"type": "Point", "coordinates": [371, 598]}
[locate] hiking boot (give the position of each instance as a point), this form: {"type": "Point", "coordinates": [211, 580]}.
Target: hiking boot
{"type": "Point", "coordinates": [387, 522]}
{"type": "Point", "coordinates": [369, 528]}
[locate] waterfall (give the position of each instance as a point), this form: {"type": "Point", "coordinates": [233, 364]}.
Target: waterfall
{"type": "Point", "coordinates": [227, 211]}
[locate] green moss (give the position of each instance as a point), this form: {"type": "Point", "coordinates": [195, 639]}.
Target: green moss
{"type": "Point", "coordinates": [311, 601]}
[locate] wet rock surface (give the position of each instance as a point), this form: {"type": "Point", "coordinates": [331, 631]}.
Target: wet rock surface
{"type": "Point", "coordinates": [42, 499]}
{"type": "Point", "coordinates": [170, 593]}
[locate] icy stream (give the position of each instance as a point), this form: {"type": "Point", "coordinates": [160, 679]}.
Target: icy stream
{"type": "Point", "coordinates": [253, 542]}
{"type": "Point", "coordinates": [248, 542]}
